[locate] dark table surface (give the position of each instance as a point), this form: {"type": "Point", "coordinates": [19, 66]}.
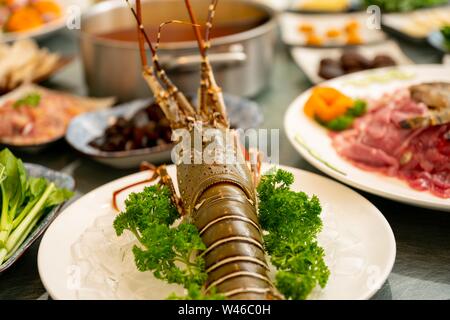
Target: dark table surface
{"type": "Point", "coordinates": [422, 267]}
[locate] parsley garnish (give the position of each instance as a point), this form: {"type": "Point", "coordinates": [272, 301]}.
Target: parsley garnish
{"type": "Point", "coordinates": [292, 221]}
{"type": "Point", "coordinates": [169, 251]}
{"type": "Point", "coordinates": [30, 100]}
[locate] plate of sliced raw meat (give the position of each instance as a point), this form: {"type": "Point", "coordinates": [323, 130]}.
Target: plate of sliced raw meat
{"type": "Point", "coordinates": [399, 148]}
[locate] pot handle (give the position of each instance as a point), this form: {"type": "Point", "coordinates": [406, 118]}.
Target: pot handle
{"type": "Point", "coordinates": [193, 61]}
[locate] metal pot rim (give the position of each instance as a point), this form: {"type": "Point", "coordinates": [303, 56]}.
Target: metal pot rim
{"type": "Point", "coordinates": [238, 37]}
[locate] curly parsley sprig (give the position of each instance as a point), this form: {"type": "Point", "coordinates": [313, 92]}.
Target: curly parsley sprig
{"type": "Point", "coordinates": [169, 251]}
{"type": "Point", "coordinates": [292, 221]}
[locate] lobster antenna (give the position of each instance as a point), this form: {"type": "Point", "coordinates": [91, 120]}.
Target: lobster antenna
{"type": "Point", "coordinates": [208, 85]}
{"type": "Point", "coordinates": [137, 16]}
{"type": "Point", "coordinates": [198, 35]}
{"type": "Point", "coordinates": [141, 38]}
{"type": "Point", "coordinates": [209, 23]}
{"type": "Point", "coordinates": [148, 73]}
{"type": "Point", "coordinates": [215, 92]}
{"type": "Point", "coordinates": [162, 25]}
{"type": "Point", "coordinates": [203, 69]}
{"type": "Point", "coordinates": [172, 90]}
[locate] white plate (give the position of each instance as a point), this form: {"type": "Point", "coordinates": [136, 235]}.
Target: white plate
{"type": "Point", "coordinates": [69, 8]}
{"type": "Point", "coordinates": [358, 241]}
{"type": "Point", "coordinates": [436, 39]}
{"type": "Point", "coordinates": [308, 59]}
{"type": "Point", "coordinates": [312, 141]}
{"type": "Point", "coordinates": [417, 24]}
{"type": "Point", "coordinates": [278, 5]}
{"type": "Point", "coordinates": [89, 103]}
{"type": "Point", "coordinates": [292, 36]}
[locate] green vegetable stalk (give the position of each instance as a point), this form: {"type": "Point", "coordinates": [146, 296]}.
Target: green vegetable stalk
{"type": "Point", "coordinates": [24, 201]}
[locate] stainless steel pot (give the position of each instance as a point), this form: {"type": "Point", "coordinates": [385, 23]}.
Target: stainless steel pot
{"type": "Point", "coordinates": [242, 62]}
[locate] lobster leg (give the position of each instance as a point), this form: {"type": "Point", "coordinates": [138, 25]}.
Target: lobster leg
{"type": "Point", "coordinates": [167, 181]}
{"type": "Point", "coordinates": [255, 159]}
{"type": "Point", "coordinates": [164, 179]}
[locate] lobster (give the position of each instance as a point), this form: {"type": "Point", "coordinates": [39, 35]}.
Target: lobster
{"type": "Point", "coordinates": [218, 198]}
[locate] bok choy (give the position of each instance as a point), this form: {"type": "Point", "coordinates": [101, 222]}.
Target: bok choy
{"type": "Point", "coordinates": [24, 201]}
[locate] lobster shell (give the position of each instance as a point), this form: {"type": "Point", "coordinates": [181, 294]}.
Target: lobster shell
{"type": "Point", "coordinates": [220, 200]}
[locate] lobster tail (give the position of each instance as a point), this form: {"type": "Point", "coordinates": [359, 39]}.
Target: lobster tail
{"type": "Point", "coordinates": [234, 258]}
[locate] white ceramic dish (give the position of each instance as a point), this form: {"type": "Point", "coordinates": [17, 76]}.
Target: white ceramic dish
{"type": "Point", "coordinates": [436, 40]}
{"type": "Point", "coordinates": [312, 141]}
{"type": "Point", "coordinates": [291, 34]}
{"type": "Point", "coordinates": [358, 241]}
{"type": "Point", "coordinates": [70, 9]}
{"type": "Point", "coordinates": [62, 180]}
{"type": "Point", "coordinates": [308, 59]}
{"type": "Point", "coordinates": [278, 5]}
{"type": "Point", "coordinates": [88, 103]}
{"type": "Point", "coordinates": [416, 25]}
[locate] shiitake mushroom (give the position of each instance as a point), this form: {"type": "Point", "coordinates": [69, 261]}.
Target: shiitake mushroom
{"type": "Point", "coordinates": [352, 61]}
{"type": "Point", "coordinates": [383, 60]}
{"type": "Point", "coordinates": [330, 69]}
{"type": "Point", "coordinates": [147, 128]}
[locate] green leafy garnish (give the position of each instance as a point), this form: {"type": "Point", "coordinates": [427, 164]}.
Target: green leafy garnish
{"type": "Point", "coordinates": [30, 100]}
{"type": "Point", "coordinates": [358, 109]}
{"type": "Point", "coordinates": [195, 293]}
{"type": "Point", "coordinates": [340, 123]}
{"type": "Point", "coordinates": [24, 201]}
{"type": "Point", "coordinates": [345, 121]}
{"type": "Point", "coordinates": [445, 31]}
{"type": "Point", "coordinates": [167, 250]}
{"type": "Point", "coordinates": [292, 221]}
{"type": "Point", "coordinates": [403, 5]}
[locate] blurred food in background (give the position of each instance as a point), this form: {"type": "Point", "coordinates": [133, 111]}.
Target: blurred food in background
{"type": "Point", "coordinates": [419, 23]}
{"type": "Point", "coordinates": [24, 15]}
{"type": "Point", "coordinates": [445, 31]}
{"type": "Point", "coordinates": [320, 64]}
{"type": "Point", "coordinates": [24, 62]}
{"type": "Point", "coordinates": [349, 33]}
{"type": "Point", "coordinates": [32, 115]}
{"type": "Point", "coordinates": [328, 30]}
{"type": "Point", "coordinates": [333, 109]}
{"type": "Point", "coordinates": [403, 5]}
{"type": "Point", "coordinates": [404, 134]}
{"type": "Point", "coordinates": [352, 61]}
{"type": "Point", "coordinates": [322, 5]}
{"type": "Point", "coordinates": [147, 128]}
